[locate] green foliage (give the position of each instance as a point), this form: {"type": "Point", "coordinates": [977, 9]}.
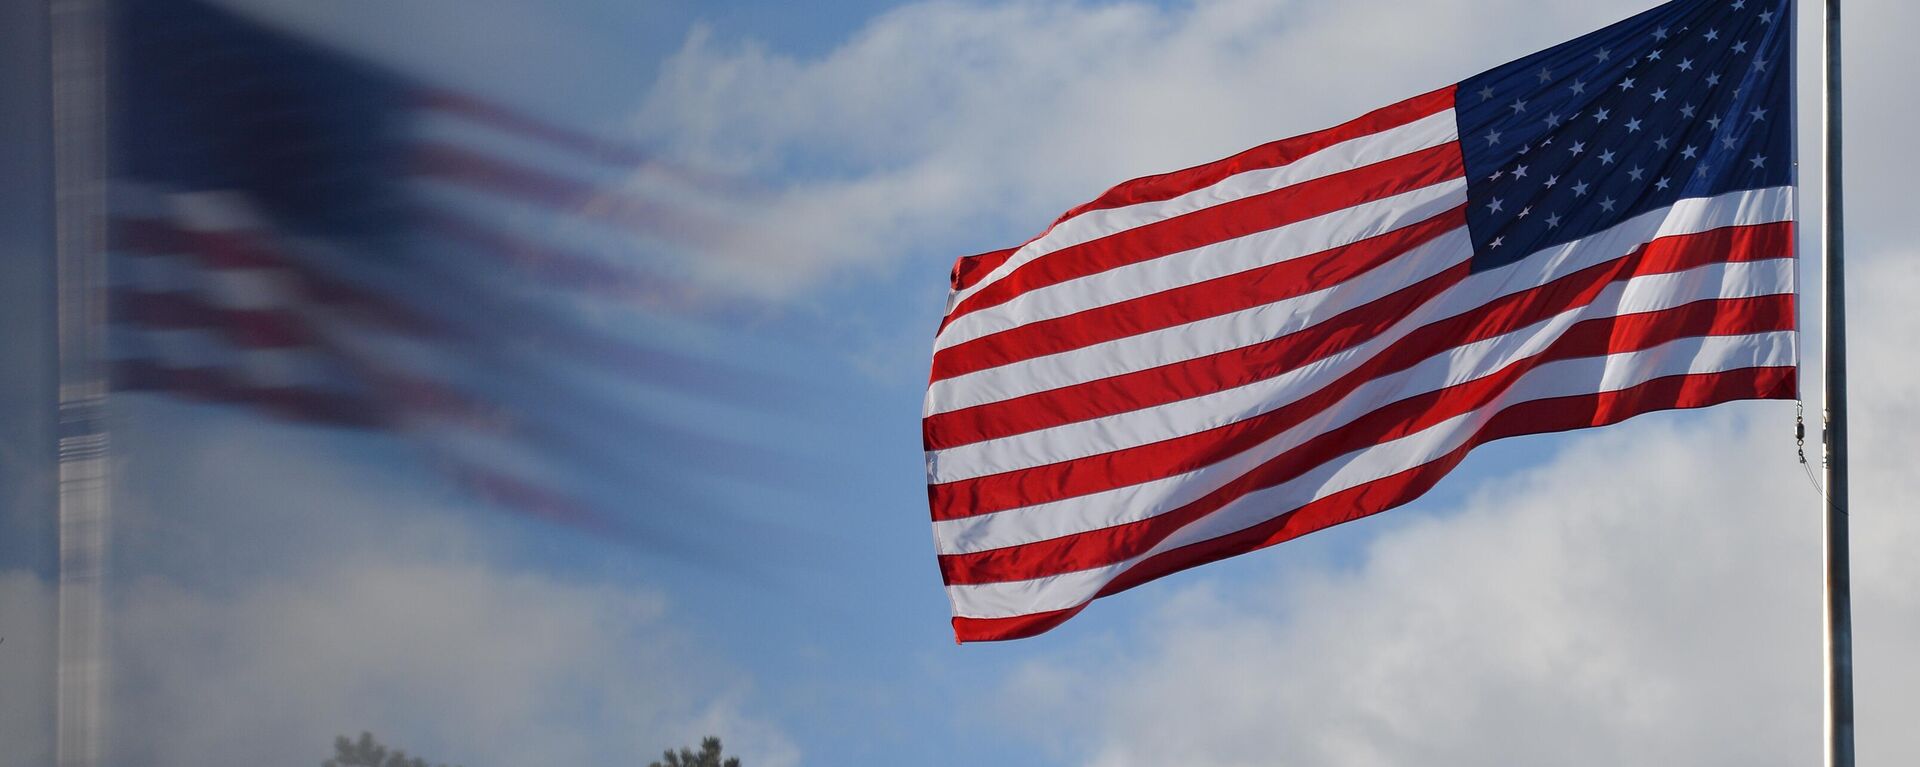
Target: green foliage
{"type": "Point", "coordinates": [709, 756]}
{"type": "Point", "coordinates": [367, 752]}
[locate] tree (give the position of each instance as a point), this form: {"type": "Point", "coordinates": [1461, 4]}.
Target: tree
{"type": "Point", "coordinates": [709, 756]}
{"type": "Point", "coordinates": [367, 752]}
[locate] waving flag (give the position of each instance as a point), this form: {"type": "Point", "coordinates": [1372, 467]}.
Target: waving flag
{"type": "Point", "coordinates": [1208, 362]}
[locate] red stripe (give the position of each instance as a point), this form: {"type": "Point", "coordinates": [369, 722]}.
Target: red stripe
{"type": "Point", "coordinates": [295, 403]}
{"type": "Point", "coordinates": [215, 250]}
{"type": "Point", "coordinates": [246, 328]}
{"type": "Point", "coordinates": [457, 165]}
{"type": "Point", "coordinates": [969, 270]}
{"type": "Point", "coordinates": [526, 497]}
{"type": "Point", "coordinates": [1248, 364]}
{"type": "Point", "coordinates": [1191, 303]}
{"type": "Point", "coordinates": [498, 116]}
{"type": "Point", "coordinates": [1536, 417]}
{"type": "Point", "coordinates": [1592, 338]}
{"type": "Point", "coordinates": [235, 250]}
{"type": "Point", "coordinates": [1226, 221]}
{"type": "Point", "coordinates": [1167, 186]}
{"type": "Point", "coordinates": [558, 267]}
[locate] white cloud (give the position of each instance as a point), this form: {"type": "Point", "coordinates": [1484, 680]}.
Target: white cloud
{"type": "Point", "coordinates": [459, 661]}
{"type": "Point", "coordinates": [270, 596]}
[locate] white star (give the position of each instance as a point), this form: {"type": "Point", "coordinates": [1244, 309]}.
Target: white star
{"type": "Point", "coordinates": [1553, 120]}
{"type": "Point", "coordinates": [1526, 149]}
{"type": "Point", "coordinates": [1660, 143]}
{"type": "Point", "coordinates": [1661, 184]}
{"type": "Point", "coordinates": [1714, 123]}
{"type": "Point", "coordinates": [1636, 173]}
{"type": "Point", "coordinates": [1600, 116]}
{"type": "Point", "coordinates": [1660, 34]}
{"type": "Point", "coordinates": [1606, 158]}
{"type": "Point", "coordinates": [1627, 84]}
{"type": "Point", "coordinates": [1519, 172]}
{"type": "Point", "coordinates": [1602, 55]}
{"type": "Point", "coordinates": [1492, 137]}
{"type": "Point", "coordinates": [1758, 114]}
{"type": "Point", "coordinates": [1551, 180]}
{"type": "Point", "coordinates": [1486, 93]}
{"type": "Point", "coordinates": [1689, 153]}
{"type": "Point", "coordinates": [1579, 87]}
{"type": "Point", "coordinates": [1738, 4]}
{"type": "Point", "coordinates": [1524, 211]}
{"type": "Point", "coordinates": [1712, 35]}
{"type": "Point", "coordinates": [1633, 125]}
{"type": "Point", "coordinates": [1578, 147]}
{"type": "Point", "coordinates": [1687, 111]}
{"type": "Point", "coordinates": [1545, 74]}
{"type": "Point", "coordinates": [1518, 106]}
{"type": "Point", "coordinates": [1727, 142]}
{"type": "Point", "coordinates": [1766, 17]}
{"type": "Point", "coordinates": [1580, 189]}
{"type": "Point", "coordinates": [1607, 205]}
{"type": "Point", "coordinates": [1659, 95]}
{"type": "Point", "coordinates": [1496, 175]}
{"type": "Point", "coordinates": [1494, 207]}
{"type": "Point", "coordinates": [1553, 221]}
{"type": "Point", "coordinates": [1496, 241]}
{"type": "Point", "coordinates": [1759, 161]}
{"type": "Point", "coordinates": [1702, 170]}
{"type": "Point", "coordinates": [1713, 79]}
{"type": "Point", "coordinates": [1686, 65]}
{"type": "Point", "coordinates": [1653, 55]}
{"type": "Point", "coordinates": [1759, 64]}
{"type": "Point", "coordinates": [1740, 47]}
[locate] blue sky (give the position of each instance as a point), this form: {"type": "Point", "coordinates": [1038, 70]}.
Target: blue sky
{"type": "Point", "coordinates": [1646, 592]}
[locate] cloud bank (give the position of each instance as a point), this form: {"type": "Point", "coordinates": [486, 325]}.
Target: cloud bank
{"type": "Point", "coordinates": [269, 597]}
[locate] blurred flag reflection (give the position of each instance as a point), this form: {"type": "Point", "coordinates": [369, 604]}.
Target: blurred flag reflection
{"type": "Point", "coordinates": [314, 239]}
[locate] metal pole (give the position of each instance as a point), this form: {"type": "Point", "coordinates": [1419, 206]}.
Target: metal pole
{"type": "Point", "coordinates": [79, 151]}
{"type": "Point", "coordinates": [1839, 609]}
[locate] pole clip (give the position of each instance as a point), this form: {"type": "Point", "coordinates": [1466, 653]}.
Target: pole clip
{"type": "Point", "coordinates": [1800, 431]}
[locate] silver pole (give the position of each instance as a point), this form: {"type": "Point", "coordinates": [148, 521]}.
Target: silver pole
{"type": "Point", "coordinates": [1839, 609]}
{"type": "Point", "coordinates": [79, 151]}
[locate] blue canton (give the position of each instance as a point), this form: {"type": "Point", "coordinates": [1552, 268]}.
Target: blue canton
{"type": "Point", "coordinates": [1691, 99]}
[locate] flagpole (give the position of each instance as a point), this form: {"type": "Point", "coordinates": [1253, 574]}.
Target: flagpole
{"type": "Point", "coordinates": [1839, 609]}
{"type": "Point", "coordinates": [79, 149]}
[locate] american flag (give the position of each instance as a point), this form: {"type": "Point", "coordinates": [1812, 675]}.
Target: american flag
{"type": "Point", "coordinates": [1215, 360]}
{"type": "Point", "coordinates": [318, 239]}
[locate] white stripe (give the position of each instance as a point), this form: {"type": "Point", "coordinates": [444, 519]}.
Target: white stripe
{"type": "Point", "coordinates": [1570, 377]}
{"type": "Point", "coordinates": [1451, 367]}
{"type": "Point", "coordinates": [241, 289]}
{"type": "Point", "coordinates": [218, 211]}
{"type": "Point", "coordinates": [1173, 419]}
{"type": "Point", "coordinates": [1286, 243]}
{"type": "Point", "coordinates": [1425, 133]}
{"type": "Point", "coordinates": [302, 366]}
